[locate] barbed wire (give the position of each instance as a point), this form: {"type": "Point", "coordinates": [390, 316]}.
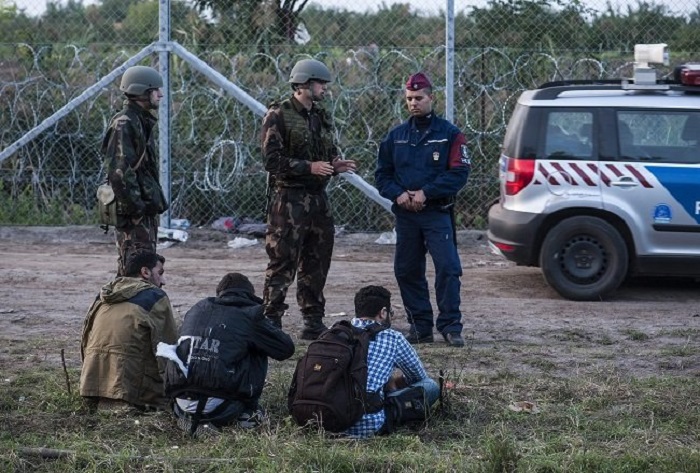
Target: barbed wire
{"type": "Point", "coordinates": [216, 164]}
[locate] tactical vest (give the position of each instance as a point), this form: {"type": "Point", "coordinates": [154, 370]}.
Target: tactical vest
{"type": "Point", "coordinates": [301, 143]}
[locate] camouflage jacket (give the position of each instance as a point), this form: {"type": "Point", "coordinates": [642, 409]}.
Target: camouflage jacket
{"type": "Point", "coordinates": [132, 163]}
{"type": "Point", "coordinates": [292, 138]}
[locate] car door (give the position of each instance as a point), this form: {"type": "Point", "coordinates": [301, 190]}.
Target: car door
{"type": "Point", "coordinates": [567, 164]}
{"type": "Point", "coordinates": [653, 177]}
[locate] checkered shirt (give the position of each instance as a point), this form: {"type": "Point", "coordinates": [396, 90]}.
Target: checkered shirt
{"type": "Point", "coordinates": [387, 351]}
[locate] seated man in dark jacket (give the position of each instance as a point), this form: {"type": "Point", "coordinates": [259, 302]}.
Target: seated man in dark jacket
{"type": "Point", "coordinates": [217, 370]}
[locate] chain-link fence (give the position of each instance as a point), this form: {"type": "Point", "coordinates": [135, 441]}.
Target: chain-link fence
{"type": "Point", "coordinates": [51, 53]}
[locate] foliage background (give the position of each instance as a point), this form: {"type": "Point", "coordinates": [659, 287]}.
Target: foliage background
{"type": "Point", "coordinates": [50, 54]}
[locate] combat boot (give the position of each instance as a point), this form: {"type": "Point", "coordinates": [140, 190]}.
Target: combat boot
{"type": "Point", "coordinates": [313, 327]}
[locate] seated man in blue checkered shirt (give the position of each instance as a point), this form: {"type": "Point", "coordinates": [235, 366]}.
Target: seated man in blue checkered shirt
{"type": "Point", "coordinates": [388, 351]}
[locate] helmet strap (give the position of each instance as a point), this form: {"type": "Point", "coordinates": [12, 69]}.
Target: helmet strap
{"type": "Point", "coordinates": [304, 97]}
{"type": "Point", "coordinates": [144, 100]}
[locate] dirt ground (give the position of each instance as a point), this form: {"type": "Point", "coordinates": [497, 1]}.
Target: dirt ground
{"type": "Point", "coordinates": [513, 321]}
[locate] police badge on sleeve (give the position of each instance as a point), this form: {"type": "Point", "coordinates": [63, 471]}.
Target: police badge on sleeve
{"type": "Point", "coordinates": [464, 155]}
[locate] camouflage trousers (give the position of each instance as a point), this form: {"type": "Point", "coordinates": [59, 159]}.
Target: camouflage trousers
{"type": "Point", "coordinates": [133, 237]}
{"type": "Point", "coordinates": [299, 242]}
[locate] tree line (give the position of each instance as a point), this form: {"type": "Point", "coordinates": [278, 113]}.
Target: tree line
{"type": "Point", "coordinates": [273, 25]}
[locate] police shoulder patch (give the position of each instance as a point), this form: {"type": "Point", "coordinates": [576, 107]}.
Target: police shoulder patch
{"type": "Point", "coordinates": [464, 154]}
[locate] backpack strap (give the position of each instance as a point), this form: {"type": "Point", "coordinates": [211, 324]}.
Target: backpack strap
{"type": "Point", "coordinates": [198, 414]}
{"type": "Point", "coordinates": [143, 155]}
{"type": "Point", "coordinates": [375, 402]}
{"type": "Point", "coordinates": [374, 329]}
{"type": "Point", "coordinates": [147, 143]}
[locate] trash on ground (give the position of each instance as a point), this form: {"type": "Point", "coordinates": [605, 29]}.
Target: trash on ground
{"type": "Point", "coordinates": [179, 223]}
{"type": "Point", "coordinates": [227, 224]}
{"type": "Point", "coordinates": [387, 238]}
{"type": "Point", "coordinates": [172, 234]}
{"type": "Point", "coordinates": [241, 242]}
{"type": "Point", "coordinates": [254, 229]}
{"type": "Point", "coordinates": [524, 406]}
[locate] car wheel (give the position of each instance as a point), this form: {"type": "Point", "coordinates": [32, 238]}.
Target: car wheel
{"type": "Point", "coordinates": [584, 258]}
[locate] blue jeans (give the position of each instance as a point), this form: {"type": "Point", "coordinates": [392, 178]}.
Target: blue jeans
{"type": "Point", "coordinates": [430, 387]}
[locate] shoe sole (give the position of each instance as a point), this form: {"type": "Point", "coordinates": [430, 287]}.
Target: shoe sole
{"type": "Point", "coordinates": [204, 430]}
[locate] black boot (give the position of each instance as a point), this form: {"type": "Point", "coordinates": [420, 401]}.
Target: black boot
{"type": "Point", "coordinates": [313, 327]}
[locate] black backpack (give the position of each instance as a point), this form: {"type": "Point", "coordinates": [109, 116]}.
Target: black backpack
{"type": "Point", "coordinates": [329, 386]}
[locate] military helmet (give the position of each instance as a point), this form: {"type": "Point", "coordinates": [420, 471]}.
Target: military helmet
{"type": "Point", "coordinates": [138, 79]}
{"type": "Point", "coordinates": [309, 69]}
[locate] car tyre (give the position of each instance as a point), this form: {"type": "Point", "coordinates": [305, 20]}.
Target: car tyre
{"type": "Point", "coordinates": [584, 258]}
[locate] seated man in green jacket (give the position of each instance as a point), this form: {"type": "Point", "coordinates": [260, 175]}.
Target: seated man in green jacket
{"type": "Point", "coordinates": [122, 328]}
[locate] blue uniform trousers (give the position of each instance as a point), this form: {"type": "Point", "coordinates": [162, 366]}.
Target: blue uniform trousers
{"type": "Point", "coordinates": [418, 233]}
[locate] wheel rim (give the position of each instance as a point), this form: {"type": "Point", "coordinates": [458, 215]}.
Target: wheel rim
{"type": "Point", "coordinates": [583, 259]}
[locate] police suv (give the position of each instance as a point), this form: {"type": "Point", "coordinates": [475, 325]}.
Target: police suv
{"type": "Point", "coordinates": [600, 180]}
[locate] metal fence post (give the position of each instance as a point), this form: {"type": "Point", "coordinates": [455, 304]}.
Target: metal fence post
{"type": "Point", "coordinates": [164, 117]}
{"type": "Point", "coordinates": [449, 59]}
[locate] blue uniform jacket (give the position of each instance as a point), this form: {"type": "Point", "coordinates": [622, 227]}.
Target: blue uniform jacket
{"type": "Point", "coordinates": [436, 162]}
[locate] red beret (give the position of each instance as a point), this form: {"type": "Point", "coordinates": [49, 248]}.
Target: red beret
{"type": "Point", "coordinates": [418, 81]}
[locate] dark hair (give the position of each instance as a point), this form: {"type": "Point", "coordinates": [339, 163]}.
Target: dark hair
{"type": "Point", "coordinates": [141, 258]}
{"type": "Point", "coordinates": [370, 300]}
{"type": "Point", "coordinates": [234, 281]}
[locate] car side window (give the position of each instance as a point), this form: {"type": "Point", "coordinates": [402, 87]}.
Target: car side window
{"type": "Point", "coordinates": [659, 136]}
{"type": "Point", "coordinates": [569, 135]}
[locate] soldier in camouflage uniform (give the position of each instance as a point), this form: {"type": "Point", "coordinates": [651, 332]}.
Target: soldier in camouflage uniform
{"type": "Point", "coordinates": [300, 157]}
{"type": "Point", "coordinates": [132, 163]}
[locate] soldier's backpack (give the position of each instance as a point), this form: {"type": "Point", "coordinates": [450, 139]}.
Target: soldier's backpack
{"type": "Point", "coordinates": [329, 386]}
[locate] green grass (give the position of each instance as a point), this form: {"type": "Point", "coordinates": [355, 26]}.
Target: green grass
{"type": "Point", "coordinates": [600, 422]}
{"type": "Point", "coordinates": [682, 332]}
{"type": "Point", "coordinates": [681, 350]}
{"type": "Point", "coordinates": [637, 335]}
{"type": "Point", "coordinates": [26, 209]}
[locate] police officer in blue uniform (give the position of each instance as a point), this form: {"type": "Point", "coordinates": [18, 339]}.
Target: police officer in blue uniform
{"type": "Point", "coordinates": [421, 165]}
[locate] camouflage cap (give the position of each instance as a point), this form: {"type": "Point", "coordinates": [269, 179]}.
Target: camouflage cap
{"type": "Point", "coordinates": [418, 81]}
